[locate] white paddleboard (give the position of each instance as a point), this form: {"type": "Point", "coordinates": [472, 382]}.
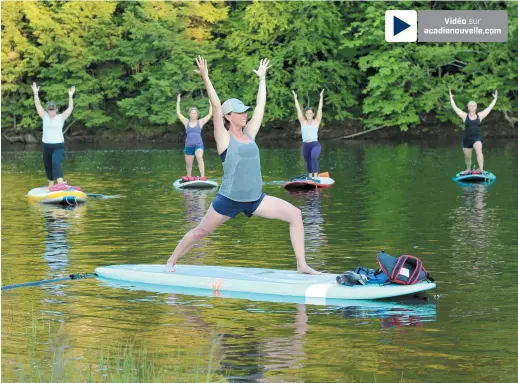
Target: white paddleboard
{"type": "Point", "coordinates": [256, 281]}
{"type": "Point", "coordinates": [197, 184]}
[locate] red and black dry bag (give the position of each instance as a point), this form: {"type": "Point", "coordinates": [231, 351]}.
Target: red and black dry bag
{"type": "Point", "coordinates": [404, 270]}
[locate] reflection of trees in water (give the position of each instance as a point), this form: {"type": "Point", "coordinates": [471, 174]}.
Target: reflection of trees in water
{"type": "Point", "coordinates": [474, 232]}
{"type": "Point", "coordinates": [196, 205]}
{"type": "Point", "coordinates": [309, 203]}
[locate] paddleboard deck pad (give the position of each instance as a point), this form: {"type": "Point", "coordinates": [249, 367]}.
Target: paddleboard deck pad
{"type": "Point", "coordinates": [308, 183]}
{"type": "Point", "coordinates": [474, 177]}
{"type": "Point", "coordinates": [64, 197]}
{"type": "Point", "coordinates": [256, 281]}
{"type": "Point", "coordinates": [197, 184]}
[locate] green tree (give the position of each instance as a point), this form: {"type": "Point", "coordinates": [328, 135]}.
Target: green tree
{"type": "Point", "coordinates": [129, 59]}
{"type": "Point", "coordinates": [303, 42]}
{"type": "Point", "coordinates": [408, 83]}
{"type": "Point", "coordinates": [160, 42]}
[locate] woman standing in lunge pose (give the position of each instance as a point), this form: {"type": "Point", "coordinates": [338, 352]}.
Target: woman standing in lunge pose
{"type": "Point", "coordinates": [241, 187]}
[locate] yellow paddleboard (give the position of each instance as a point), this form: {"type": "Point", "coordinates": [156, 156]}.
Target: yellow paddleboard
{"type": "Point", "coordinates": [69, 196]}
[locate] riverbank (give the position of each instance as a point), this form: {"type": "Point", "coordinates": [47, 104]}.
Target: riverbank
{"type": "Point", "coordinates": [276, 131]}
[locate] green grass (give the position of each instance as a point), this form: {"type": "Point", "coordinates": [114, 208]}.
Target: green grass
{"type": "Point", "coordinates": [46, 357]}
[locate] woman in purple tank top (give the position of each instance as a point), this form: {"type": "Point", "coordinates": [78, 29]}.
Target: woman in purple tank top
{"type": "Point", "coordinates": [193, 141]}
{"type": "Point", "coordinates": [241, 187]}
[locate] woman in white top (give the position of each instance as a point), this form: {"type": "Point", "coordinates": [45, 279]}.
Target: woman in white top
{"type": "Point", "coordinates": [309, 127]}
{"type": "Point", "coordinates": [53, 139]}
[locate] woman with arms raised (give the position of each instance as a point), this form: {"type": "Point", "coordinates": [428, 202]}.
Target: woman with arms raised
{"type": "Point", "coordinates": [309, 127]}
{"type": "Point", "coordinates": [241, 187]}
{"type": "Point", "coordinates": [53, 139]}
{"type": "Point", "coordinates": [471, 138]}
{"type": "Point", "coordinates": [193, 140]}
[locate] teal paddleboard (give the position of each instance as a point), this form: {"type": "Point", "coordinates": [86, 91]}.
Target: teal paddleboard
{"type": "Point", "coordinates": [311, 288]}
{"type": "Point", "coordinates": [474, 177]}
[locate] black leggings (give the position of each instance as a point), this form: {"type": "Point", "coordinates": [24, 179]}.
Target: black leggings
{"type": "Point", "coordinates": [53, 156]}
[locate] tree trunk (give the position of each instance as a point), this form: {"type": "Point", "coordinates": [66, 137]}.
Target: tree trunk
{"type": "Point", "coordinates": [512, 120]}
{"type": "Point", "coordinates": [365, 131]}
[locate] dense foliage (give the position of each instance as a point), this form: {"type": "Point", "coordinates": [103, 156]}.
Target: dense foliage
{"type": "Point", "coordinates": [129, 59]}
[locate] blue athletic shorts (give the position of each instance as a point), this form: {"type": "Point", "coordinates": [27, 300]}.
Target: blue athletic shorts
{"type": "Point", "coordinates": [190, 150]}
{"type": "Point", "coordinates": [230, 208]}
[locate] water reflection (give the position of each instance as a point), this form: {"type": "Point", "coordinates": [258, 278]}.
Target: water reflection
{"type": "Point", "coordinates": [196, 205]}
{"type": "Point", "coordinates": [287, 353]}
{"type": "Point", "coordinates": [413, 313]}
{"type": "Point", "coordinates": [473, 231]}
{"type": "Point", "coordinates": [310, 204]}
{"type": "Point", "coordinates": [349, 308]}
{"type": "Point", "coordinates": [265, 341]}
{"type": "Point", "coordinates": [57, 220]}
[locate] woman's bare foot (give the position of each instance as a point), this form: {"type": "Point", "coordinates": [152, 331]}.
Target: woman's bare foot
{"type": "Point", "coordinates": [169, 266]}
{"type": "Point", "coordinates": [307, 270]}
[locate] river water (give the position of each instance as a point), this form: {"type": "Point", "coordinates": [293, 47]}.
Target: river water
{"type": "Point", "coordinates": [396, 197]}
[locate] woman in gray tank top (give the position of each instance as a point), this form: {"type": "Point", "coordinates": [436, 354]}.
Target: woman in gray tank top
{"type": "Point", "coordinates": [240, 190]}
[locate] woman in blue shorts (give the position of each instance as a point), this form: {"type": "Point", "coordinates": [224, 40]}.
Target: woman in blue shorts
{"type": "Point", "coordinates": [241, 187]}
{"type": "Point", "coordinates": [193, 140]}
{"type": "Point", "coordinates": [471, 138]}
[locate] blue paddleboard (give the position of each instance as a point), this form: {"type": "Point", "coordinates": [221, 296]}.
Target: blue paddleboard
{"type": "Point", "coordinates": [256, 281]}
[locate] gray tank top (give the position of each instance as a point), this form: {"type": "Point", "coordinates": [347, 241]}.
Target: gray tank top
{"type": "Point", "coordinates": [242, 181]}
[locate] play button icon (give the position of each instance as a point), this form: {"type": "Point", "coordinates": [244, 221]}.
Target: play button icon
{"type": "Point", "coordinates": [400, 26]}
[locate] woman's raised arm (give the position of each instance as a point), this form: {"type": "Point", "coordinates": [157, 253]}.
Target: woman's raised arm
{"type": "Point", "coordinates": [255, 122]}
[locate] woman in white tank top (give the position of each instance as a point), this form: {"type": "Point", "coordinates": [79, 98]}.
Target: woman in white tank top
{"type": "Point", "coordinates": [309, 128]}
{"type": "Point", "coordinates": [53, 139]}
